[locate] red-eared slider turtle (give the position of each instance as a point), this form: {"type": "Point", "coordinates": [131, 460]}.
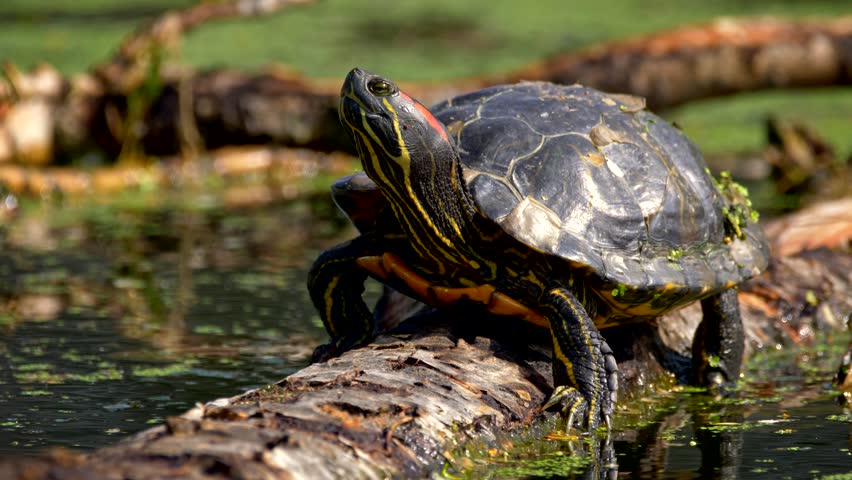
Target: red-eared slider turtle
{"type": "Point", "coordinates": [566, 206]}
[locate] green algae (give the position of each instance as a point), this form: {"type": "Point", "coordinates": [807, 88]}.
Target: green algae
{"type": "Point", "coordinates": [677, 415]}
{"type": "Point", "coordinates": [740, 210]}
{"type": "Point", "coordinates": [165, 371]}
{"type": "Point", "coordinates": [675, 254]}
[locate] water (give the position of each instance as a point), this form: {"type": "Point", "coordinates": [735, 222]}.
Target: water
{"type": "Point", "coordinates": [772, 441]}
{"type": "Point", "coordinates": [113, 320]}
{"type": "Point", "coordinates": [112, 324]}
{"type": "Point", "coordinates": [78, 380]}
{"type": "Point", "coordinates": [785, 422]}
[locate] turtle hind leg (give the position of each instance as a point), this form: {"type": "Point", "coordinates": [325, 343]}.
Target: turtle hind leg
{"type": "Point", "coordinates": [585, 374]}
{"type": "Point", "coordinates": [717, 348]}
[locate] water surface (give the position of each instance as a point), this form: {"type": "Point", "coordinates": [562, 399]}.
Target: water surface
{"type": "Point", "coordinates": [111, 324]}
{"type": "Point", "coordinates": [114, 319]}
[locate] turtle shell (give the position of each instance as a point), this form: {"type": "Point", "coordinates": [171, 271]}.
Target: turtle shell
{"type": "Point", "coordinates": [599, 181]}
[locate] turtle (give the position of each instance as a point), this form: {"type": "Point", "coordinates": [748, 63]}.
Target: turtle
{"type": "Point", "coordinates": [570, 208]}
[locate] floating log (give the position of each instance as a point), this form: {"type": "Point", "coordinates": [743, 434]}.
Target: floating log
{"type": "Point", "coordinates": [394, 407]}
{"type": "Point", "coordinates": [275, 173]}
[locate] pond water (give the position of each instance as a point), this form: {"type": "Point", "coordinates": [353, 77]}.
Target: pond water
{"type": "Point", "coordinates": [785, 423]}
{"type": "Point", "coordinates": [113, 319]}
{"type": "Point", "coordinates": [114, 322]}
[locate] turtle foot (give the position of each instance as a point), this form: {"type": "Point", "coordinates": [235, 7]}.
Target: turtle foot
{"type": "Point", "coordinates": [324, 352]}
{"type": "Point", "coordinates": [576, 407]}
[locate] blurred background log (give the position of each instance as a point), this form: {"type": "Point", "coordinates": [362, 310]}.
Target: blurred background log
{"type": "Point", "coordinates": [394, 407]}
{"type": "Point", "coordinates": [129, 68]}
{"type": "Point", "coordinates": [729, 55]}
{"type": "Point", "coordinates": [136, 105]}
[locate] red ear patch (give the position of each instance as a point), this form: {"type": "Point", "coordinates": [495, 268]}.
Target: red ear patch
{"type": "Point", "coordinates": [433, 122]}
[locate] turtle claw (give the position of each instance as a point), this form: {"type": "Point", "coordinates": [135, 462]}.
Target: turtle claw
{"type": "Point", "coordinates": [576, 406]}
{"type": "Point", "coordinates": [594, 406]}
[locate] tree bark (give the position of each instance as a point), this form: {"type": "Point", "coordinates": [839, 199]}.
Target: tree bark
{"type": "Point", "coordinates": [394, 407]}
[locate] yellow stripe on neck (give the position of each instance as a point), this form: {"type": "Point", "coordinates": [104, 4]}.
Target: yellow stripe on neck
{"type": "Point", "coordinates": [404, 160]}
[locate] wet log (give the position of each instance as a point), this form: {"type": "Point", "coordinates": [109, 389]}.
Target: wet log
{"type": "Point", "coordinates": [394, 407]}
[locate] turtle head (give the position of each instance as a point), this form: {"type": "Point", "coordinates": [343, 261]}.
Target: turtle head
{"type": "Point", "coordinates": [396, 136]}
{"type": "Point", "coordinates": [412, 159]}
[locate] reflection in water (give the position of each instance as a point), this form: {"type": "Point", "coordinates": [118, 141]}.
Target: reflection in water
{"type": "Point", "coordinates": [119, 320]}
{"type": "Point", "coordinates": [116, 322]}
{"type": "Point", "coordinates": [604, 464]}
{"type": "Point", "coordinates": [721, 448]}
{"type": "Point", "coordinates": [782, 423]}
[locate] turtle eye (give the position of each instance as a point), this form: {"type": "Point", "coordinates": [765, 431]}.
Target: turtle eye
{"type": "Point", "coordinates": [381, 87]}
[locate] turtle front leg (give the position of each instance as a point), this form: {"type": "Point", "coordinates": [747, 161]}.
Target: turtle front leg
{"type": "Point", "coordinates": [336, 283]}
{"type": "Point", "coordinates": [585, 374]}
{"type": "Point", "coordinates": [717, 348]}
